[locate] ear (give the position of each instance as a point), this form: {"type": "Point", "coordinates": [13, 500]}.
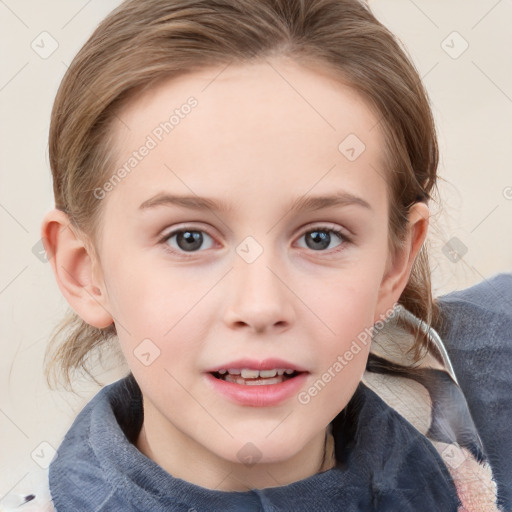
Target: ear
{"type": "Point", "coordinates": [75, 269]}
{"type": "Point", "coordinates": [400, 264]}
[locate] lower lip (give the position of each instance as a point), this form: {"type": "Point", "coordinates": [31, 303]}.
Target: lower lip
{"type": "Point", "coordinates": [264, 395]}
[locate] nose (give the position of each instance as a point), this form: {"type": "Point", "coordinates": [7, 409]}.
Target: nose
{"type": "Point", "coordinates": [260, 297]}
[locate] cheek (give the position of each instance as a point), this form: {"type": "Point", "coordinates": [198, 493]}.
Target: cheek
{"type": "Point", "coordinates": [348, 299]}
{"type": "Point", "coordinates": [348, 310]}
{"type": "Point", "coordinates": [330, 390]}
{"type": "Point", "coordinates": [138, 290]}
{"type": "Point", "coordinates": [154, 310]}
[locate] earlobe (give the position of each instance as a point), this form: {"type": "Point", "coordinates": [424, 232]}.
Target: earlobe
{"type": "Point", "coordinates": [73, 267]}
{"type": "Point", "coordinates": [400, 265]}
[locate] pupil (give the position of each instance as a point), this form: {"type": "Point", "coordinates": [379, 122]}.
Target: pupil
{"type": "Point", "coordinates": [319, 237]}
{"type": "Point", "coordinates": [192, 239]}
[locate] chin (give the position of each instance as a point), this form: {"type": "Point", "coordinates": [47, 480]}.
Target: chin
{"type": "Point", "coordinates": [260, 450]}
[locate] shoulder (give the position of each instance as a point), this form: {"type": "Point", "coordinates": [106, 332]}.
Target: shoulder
{"type": "Point", "coordinates": [476, 325]}
{"type": "Point", "coordinates": [490, 297]}
{"type": "Point", "coordinates": [476, 329]}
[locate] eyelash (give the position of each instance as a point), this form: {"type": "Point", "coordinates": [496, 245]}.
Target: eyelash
{"type": "Point", "coordinates": [345, 240]}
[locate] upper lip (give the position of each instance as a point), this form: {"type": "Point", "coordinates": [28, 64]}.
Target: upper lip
{"type": "Point", "coordinates": [254, 364]}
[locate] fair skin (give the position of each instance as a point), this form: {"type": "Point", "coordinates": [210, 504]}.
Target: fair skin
{"type": "Point", "coordinates": [255, 143]}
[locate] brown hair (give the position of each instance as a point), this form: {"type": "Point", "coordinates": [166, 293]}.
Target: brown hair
{"type": "Point", "coordinates": [142, 42]}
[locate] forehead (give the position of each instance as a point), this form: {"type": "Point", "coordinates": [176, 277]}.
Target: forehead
{"type": "Point", "coordinates": [272, 124]}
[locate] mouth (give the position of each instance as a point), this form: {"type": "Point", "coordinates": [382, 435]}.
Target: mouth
{"type": "Point", "coordinates": [257, 383]}
{"type": "Point", "coordinates": [251, 377]}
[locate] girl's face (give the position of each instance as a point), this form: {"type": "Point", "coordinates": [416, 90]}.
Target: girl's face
{"type": "Point", "coordinates": [218, 255]}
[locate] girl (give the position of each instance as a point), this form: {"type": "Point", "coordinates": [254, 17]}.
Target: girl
{"type": "Point", "coordinates": [241, 204]}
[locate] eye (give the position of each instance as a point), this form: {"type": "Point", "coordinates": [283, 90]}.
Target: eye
{"type": "Point", "coordinates": [186, 240]}
{"type": "Point", "coordinates": [320, 238]}
{"type": "Point", "coordinates": [189, 240]}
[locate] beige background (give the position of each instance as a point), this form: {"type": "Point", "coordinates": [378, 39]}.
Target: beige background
{"type": "Point", "coordinates": [471, 94]}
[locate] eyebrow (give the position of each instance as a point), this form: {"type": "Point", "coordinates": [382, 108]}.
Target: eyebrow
{"type": "Point", "coordinates": [305, 203]}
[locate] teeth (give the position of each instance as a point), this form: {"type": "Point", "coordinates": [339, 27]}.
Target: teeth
{"type": "Point", "coordinates": [250, 374]}
{"type": "Point", "coordinates": [253, 382]}
{"type": "Point", "coordinates": [232, 378]}
{"type": "Point", "coordinates": [247, 373]}
{"type": "Point", "coordinates": [260, 382]}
